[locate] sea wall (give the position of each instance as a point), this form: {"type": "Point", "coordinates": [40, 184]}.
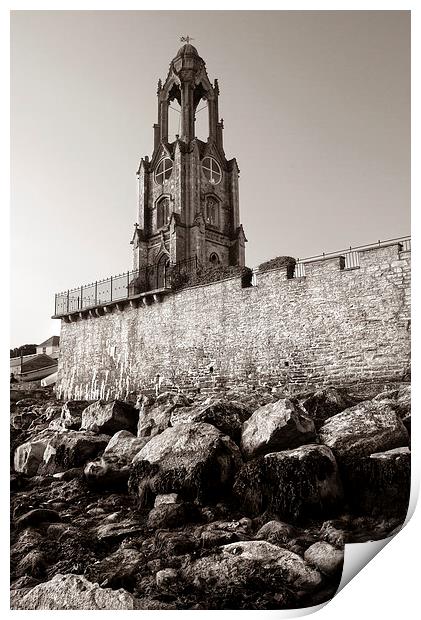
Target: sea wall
{"type": "Point", "coordinates": [332, 326]}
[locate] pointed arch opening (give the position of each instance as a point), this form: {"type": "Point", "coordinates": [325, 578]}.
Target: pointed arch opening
{"type": "Point", "coordinates": [214, 259]}
{"type": "Point", "coordinates": [212, 216]}
{"type": "Point", "coordinates": [162, 212]}
{"type": "Point", "coordinates": [162, 271]}
{"type": "Point", "coordinates": [174, 120]}
{"type": "Point", "coordinates": [201, 118]}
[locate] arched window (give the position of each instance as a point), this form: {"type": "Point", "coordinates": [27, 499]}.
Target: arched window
{"type": "Point", "coordinates": [214, 259]}
{"type": "Point", "coordinates": [163, 170]}
{"type": "Point", "coordinates": [174, 120]}
{"type": "Point", "coordinates": [162, 213]}
{"type": "Point", "coordinates": [212, 211]}
{"type": "Point", "coordinates": [211, 170]}
{"type": "Point", "coordinates": [162, 271]}
{"type": "Point", "coordinates": [201, 118]}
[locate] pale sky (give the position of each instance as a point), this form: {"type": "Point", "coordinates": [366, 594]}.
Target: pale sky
{"type": "Point", "coordinates": [316, 107]}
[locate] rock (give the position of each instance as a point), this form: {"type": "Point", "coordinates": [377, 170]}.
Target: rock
{"type": "Point", "coordinates": [74, 592]}
{"type": "Point", "coordinates": [172, 515]}
{"type": "Point", "coordinates": [325, 558]}
{"type": "Point", "coordinates": [29, 456]}
{"type": "Point", "coordinates": [332, 534]}
{"type": "Point", "coordinates": [110, 417]}
{"type": "Point", "coordinates": [35, 517]}
{"type": "Point", "coordinates": [112, 470]}
{"type": "Point", "coordinates": [380, 484]}
{"type": "Point", "coordinates": [326, 403]}
{"type": "Point", "coordinates": [29, 539]}
{"type": "Point", "coordinates": [276, 426]}
{"type": "Point", "coordinates": [276, 532]}
{"type": "Point", "coordinates": [168, 498]}
{"type": "Point", "coordinates": [118, 570]}
{"type": "Point", "coordinates": [403, 401]}
{"type": "Point", "coordinates": [52, 412]}
{"type": "Point", "coordinates": [116, 532]}
{"type": "Point", "coordinates": [23, 420]}
{"type": "Point", "coordinates": [25, 581]}
{"type": "Point", "coordinates": [216, 538]}
{"type": "Point", "coordinates": [223, 532]}
{"type": "Point", "coordinates": [293, 484]}
{"type": "Point", "coordinates": [195, 460]}
{"type": "Point", "coordinates": [242, 563]}
{"type": "Point", "coordinates": [33, 564]}
{"type": "Point", "coordinates": [124, 446]}
{"type": "Point", "coordinates": [51, 452]}
{"type": "Point", "coordinates": [407, 424]}
{"type": "Point", "coordinates": [155, 417]}
{"type": "Point", "coordinates": [70, 450]}
{"type": "Point", "coordinates": [71, 415]}
{"type": "Point", "coordinates": [26, 402]}
{"type": "Point", "coordinates": [166, 578]}
{"type": "Point", "coordinates": [224, 415]}
{"type": "Point", "coordinates": [370, 426]}
{"type": "Point", "coordinates": [70, 474]}
{"type": "Point", "coordinates": [171, 544]}
{"type": "Point", "coordinates": [61, 531]}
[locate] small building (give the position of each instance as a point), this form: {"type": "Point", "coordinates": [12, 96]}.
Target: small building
{"type": "Point", "coordinates": [49, 347]}
{"type": "Point", "coordinates": [17, 362]}
{"type": "Point", "coordinates": [37, 368]}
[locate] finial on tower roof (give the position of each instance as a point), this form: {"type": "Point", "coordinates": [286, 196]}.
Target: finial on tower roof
{"type": "Point", "coordinates": [186, 39]}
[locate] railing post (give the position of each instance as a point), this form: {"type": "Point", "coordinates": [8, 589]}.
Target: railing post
{"type": "Point", "coordinates": [68, 299]}
{"type": "Point", "coordinates": [111, 288]}
{"type": "Point", "coordinates": [96, 292]}
{"type": "Point", "coordinates": [81, 298]}
{"type": "Point", "coordinates": [55, 304]}
{"type": "Point", "coordinates": [128, 283]}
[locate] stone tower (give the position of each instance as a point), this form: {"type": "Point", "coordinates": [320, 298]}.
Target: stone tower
{"type": "Point", "coordinates": [188, 190]}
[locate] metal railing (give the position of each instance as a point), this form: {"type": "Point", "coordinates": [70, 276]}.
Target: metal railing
{"type": "Point", "coordinates": [351, 255]}
{"type": "Point", "coordinates": [121, 287]}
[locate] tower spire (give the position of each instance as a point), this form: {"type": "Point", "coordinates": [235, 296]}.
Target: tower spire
{"type": "Point", "coordinates": [188, 191]}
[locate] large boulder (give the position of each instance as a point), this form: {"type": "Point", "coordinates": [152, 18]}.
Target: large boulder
{"type": "Point", "coordinates": [29, 456]}
{"type": "Point", "coordinates": [326, 558]}
{"type": "Point", "coordinates": [326, 403]}
{"type": "Point", "coordinates": [292, 484]}
{"type": "Point", "coordinates": [118, 570]}
{"type": "Point", "coordinates": [71, 449]}
{"type": "Point", "coordinates": [276, 426]}
{"type": "Point", "coordinates": [404, 401]}
{"type": "Point", "coordinates": [276, 532]}
{"type": "Point", "coordinates": [35, 517]}
{"type": "Point", "coordinates": [154, 417]}
{"type": "Point", "coordinates": [380, 484]}
{"type": "Point", "coordinates": [123, 447]}
{"type": "Point", "coordinates": [70, 415]}
{"type": "Point", "coordinates": [169, 516]}
{"type": "Point", "coordinates": [51, 452]}
{"type": "Point", "coordinates": [371, 426]}
{"type": "Point", "coordinates": [104, 417]}
{"type": "Point", "coordinates": [72, 592]}
{"type": "Point", "coordinates": [246, 563]}
{"type": "Point", "coordinates": [112, 470]}
{"type": "Point", "coordinates": [195, 460]}
{"type": "Point", "coordinates": [225, 416]}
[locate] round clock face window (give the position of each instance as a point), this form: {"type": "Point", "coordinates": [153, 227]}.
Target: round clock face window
{"type": "Point", "coordinates": [163, 170]}
{"type": "Point", "coordinates": [211, 170]}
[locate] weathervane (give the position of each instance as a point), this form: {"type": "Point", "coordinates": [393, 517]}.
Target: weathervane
{"type": "Point", "coordinates": [186, 39]}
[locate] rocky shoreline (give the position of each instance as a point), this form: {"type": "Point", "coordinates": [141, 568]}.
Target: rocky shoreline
{"type": "Point", "coordinates": [241, 500]}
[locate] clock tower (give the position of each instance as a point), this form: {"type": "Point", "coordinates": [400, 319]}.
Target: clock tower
{"type": "Point", "coordinates": [188, 190]}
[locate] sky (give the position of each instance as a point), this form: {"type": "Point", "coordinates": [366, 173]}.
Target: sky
{"type": "Point", "coordinates": [316, 109]}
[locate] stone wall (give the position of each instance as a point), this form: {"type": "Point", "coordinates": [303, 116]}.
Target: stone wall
{"type": "Point", "coordinates": [332, 326]}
